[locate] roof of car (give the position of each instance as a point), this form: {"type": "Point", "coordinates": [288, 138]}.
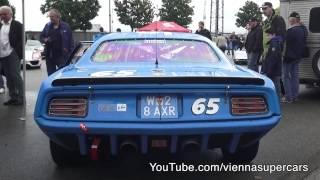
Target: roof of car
{"type": "Point", "coordinates": [151, 35]}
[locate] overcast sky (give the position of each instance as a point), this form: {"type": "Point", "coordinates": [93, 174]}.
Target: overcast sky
{"type": "Point", "coordinates": [35, 21]}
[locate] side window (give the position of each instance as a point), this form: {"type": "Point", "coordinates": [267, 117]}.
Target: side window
{"type": "Point", "coordinates": [79, 53]}
{"type": "Point", "coordinates": [314, 25]}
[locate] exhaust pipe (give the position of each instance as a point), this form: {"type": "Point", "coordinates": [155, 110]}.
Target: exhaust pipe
{"type": "Point", "coordinates": [128, 147]}
{"type": "Point", "coordinates": [129, 155]}
{"type": "Point", "coordinates": [190, 146]}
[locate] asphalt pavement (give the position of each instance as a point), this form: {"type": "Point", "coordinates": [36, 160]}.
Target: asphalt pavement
{"type": "Point", "coordinates": [24, 149]}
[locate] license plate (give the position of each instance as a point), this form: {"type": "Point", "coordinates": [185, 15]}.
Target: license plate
{"type": "Point", "coordinates": [155, 107]}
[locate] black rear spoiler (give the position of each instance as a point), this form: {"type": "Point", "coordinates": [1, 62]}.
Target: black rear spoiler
{"type": "Point", "coordinates": [157, 80]}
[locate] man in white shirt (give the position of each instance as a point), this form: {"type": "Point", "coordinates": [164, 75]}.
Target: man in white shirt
{"type": "Point", "coordinates": [11, 54]}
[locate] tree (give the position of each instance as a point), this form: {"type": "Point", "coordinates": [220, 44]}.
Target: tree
{"type": "Point", "coordinates": [248, 11]}
{"type": "Point", "coordinates": [6, 3]}
{"type": "Point", "coordinates": [75, 12]}
{"type": "Point", "coordinates": [135, 13]}
{"type": "Point", "coordinates": [178, 11]}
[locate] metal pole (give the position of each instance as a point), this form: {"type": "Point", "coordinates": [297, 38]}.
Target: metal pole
{"type": "Point", "coordinates": [110, 16]}
{"type": "Point", "coordinates": [24, 112]}
{"type": "Point", "coordinates": [211, 15]}
{"type": "Point", "coordinates": [204, 10]}
{"type": "Point", "coordinates": [222, 30]}
{"type": "Point", "coordinates": [217, 18]}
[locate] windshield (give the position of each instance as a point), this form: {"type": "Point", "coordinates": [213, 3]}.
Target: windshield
{"type": "Point", "coordinates": [174, 51]}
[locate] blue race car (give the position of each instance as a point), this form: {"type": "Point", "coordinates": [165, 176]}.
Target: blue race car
{"type": "Point", "coordinates": [151, 92]}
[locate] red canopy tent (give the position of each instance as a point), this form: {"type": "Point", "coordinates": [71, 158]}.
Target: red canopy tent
{"type": "Point", "coordinates": [164, 26]}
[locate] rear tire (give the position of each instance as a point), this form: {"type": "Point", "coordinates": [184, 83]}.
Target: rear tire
{"type": "Point", "coordinates": [63, 157]}
{"type": "Point", "coordinates": [316, 64]}
{"type": "Point", "coordinates": [242, 155]}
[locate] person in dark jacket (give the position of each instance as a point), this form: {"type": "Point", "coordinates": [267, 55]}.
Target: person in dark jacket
{"type": "Point", "coordinates": [234, 41]}
{"type": "Point", "coordinates": [228, 45]}
{"type": "Point", "coordinates": [272, 65]}
{"type": "Point", "coordinates": [295, 43]}
{"type": "Point", "coordinates": [273, 22]}
{"type": "Point", "coordinates": [58, 40]}
{"type": "Point", "coordinates": [202, 31]}
{"type": "Point", "coordinates": [11, 54]}
{"type": "Point", "coordinates": [254, 44]}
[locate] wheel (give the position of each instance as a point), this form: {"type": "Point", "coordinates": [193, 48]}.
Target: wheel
{"type": "Point", "coordinates": [316, 64]}
{"type": "Point", "coordinates": [242, 155]}
{"type": "Point", "coordinates": [63, 157]}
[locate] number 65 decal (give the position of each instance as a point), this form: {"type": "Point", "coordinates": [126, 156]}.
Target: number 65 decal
{"type": "Point", "coordinates": [201, 106]}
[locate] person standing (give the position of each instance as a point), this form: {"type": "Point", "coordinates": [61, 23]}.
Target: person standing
{"type": "Point", "coordinates": [234, 43]}
{"type": "Point", "coordinates": [295, 43]}
{"type": "Point", "coordinates": [254, 44]}
{"type": "Point", "coordinates": [222, 42]}
{"type": "Point", "coordinates": [202, 31]}
{"type": "Point", "coordinates": [272, 65]}
{"type": "Point", "coordinates": [58, 40]}
{"type": "Point", "coordinates": [11, 55]}
{"type": "Point", "coordinates": [273, 22]}
{"type": "Point", "coordinates": [228, 46]}
{"type": "Point", "coordinates": [99, 35]}
{"type": "Point", "coordinates": [242, 41]}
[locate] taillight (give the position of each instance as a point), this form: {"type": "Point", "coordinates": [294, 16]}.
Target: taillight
{"type": "Point", "coordinates": [69, 107]}
{"type": "Point", "coordinates": [248, 105]}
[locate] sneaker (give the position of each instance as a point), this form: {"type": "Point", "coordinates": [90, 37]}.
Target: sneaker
{"type": "Point", "coordinates": [13, 102]}
{"type": "Point", "coordinates": [285, 100]}
{"type": "Point", "coordinates": [17, 103]}
{"type": "Point", "coordinates": [1, 90]}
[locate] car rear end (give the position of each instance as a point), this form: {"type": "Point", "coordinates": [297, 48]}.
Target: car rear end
{"type": "Point", "coordinates": [148, 117]}
{"type": "Point", "coordinates": [111, 105]}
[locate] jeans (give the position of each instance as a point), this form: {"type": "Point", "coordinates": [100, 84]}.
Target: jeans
{"type": "Point", "coordinates": [277, 84]}
{"type": "Point", "coordinates": [233, 48]}
{"type": "Point", "coordinates": [11, 67]}
{"type": "Point", "coordinates": [291, 80]}
{"type": "Point", "coordinates": [54, 64]}
{"type": "Point", "coordinates": [1, 81]}
{"type": "Point", "coordinates": [229, 47]}
{"type": "Point", "coordinates": [1, 77]}
{"type": "Point", "coordinates": [253, 59]}
{"type": "Point", "coordinates": [223, 49]}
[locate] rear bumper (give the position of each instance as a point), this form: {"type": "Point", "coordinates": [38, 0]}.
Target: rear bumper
{"type": "Point", "coordinates": [230, 126]}
{"type": "Point", "coordinates": [227, 134]}
{"type": "Point", "coordinates": [32, 63]}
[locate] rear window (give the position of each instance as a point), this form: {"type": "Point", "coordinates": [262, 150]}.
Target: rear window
{"type": "Point", "coordinates": [314, 25]}
{"type": "Point", "coordinates": [149, 50]}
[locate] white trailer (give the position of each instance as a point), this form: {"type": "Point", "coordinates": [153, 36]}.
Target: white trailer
{"type": "Point", "coordinates": [309, 11]}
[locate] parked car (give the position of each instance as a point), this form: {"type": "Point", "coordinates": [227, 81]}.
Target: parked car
{"type": "Point", "coordinates": [146, 92]}
{"type": "Point", "coordinates": [33, 54]}
{"type": "Point", "coordinates": [240, 57]}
